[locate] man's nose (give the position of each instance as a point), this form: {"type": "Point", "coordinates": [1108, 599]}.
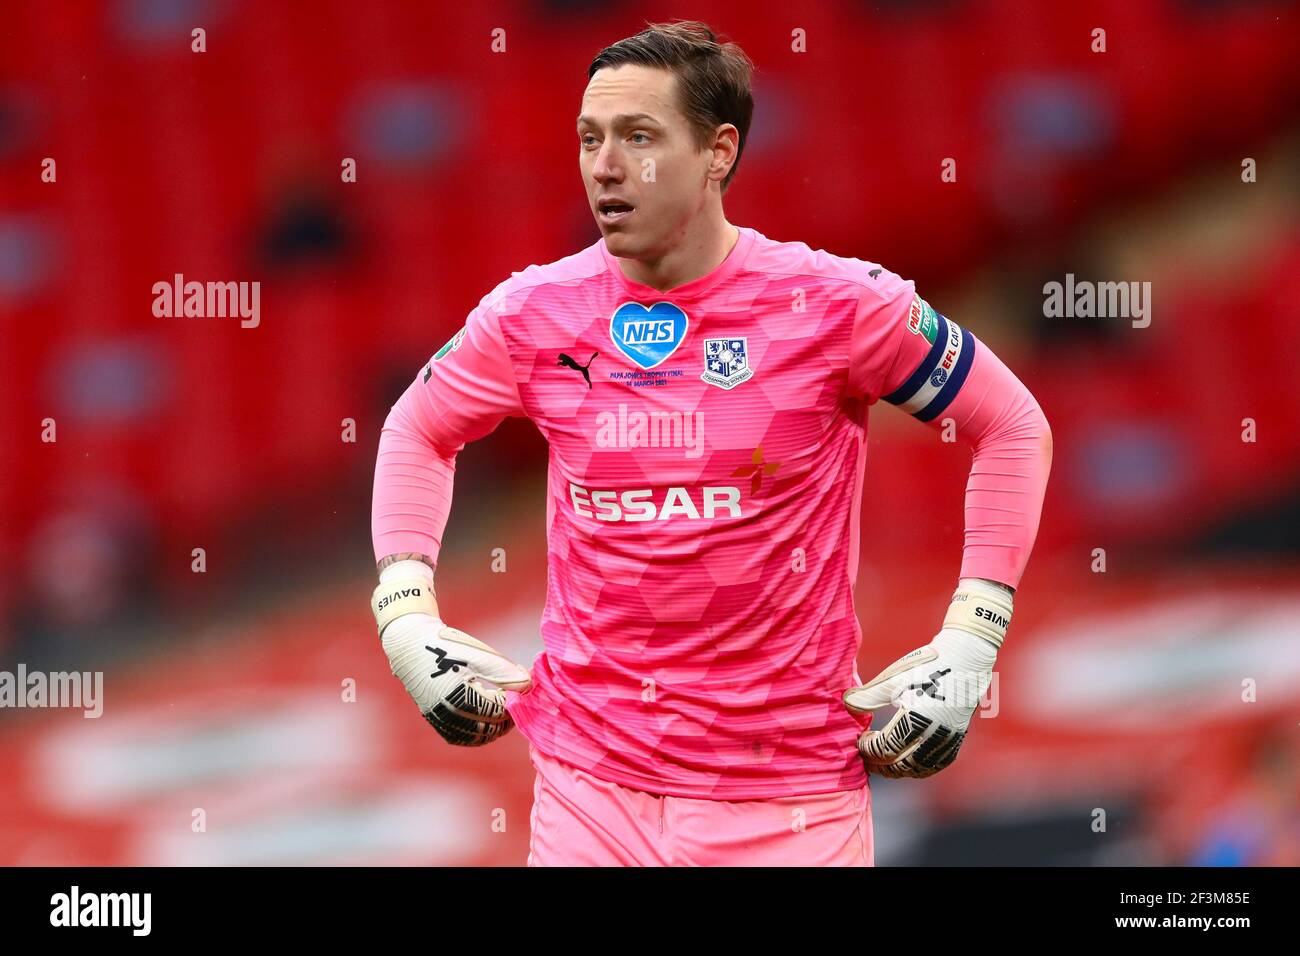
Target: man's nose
{"type": "Point", "coordinates": [608, 166]}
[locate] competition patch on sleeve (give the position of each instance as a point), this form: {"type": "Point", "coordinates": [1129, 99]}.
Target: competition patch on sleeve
{"type": "Point", "coordinates": [923, 320]}
{"type": "Point", "coordinates": [452, 345]}
{"type": "Point", "coordinates": [937, 380]}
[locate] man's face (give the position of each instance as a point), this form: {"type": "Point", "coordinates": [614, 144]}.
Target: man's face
{"type": "Point", "coordinates": [644, 175]}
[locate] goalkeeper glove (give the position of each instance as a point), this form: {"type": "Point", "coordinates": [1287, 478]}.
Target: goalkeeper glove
{"type": "Point", "coordinates": [458, 682]}
{"type": "Point", "coordinates": [936, 688]}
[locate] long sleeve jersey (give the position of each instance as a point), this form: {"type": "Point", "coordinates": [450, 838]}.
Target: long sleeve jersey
{"type": "Point", "coordinates": [706, 460]}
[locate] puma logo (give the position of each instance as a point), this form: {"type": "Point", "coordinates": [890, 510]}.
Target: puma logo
{"type": "Point", "coordinates": [568, 361]}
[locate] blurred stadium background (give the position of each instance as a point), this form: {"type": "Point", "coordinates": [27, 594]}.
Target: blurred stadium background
{"type": "Point", "coordinates": [1120, 690]}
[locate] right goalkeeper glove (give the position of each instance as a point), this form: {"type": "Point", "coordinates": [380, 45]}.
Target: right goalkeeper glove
{"type": "Point", "coordinates": [458, 682]}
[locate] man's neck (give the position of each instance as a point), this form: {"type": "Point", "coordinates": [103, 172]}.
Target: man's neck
{"type": "Point", "coordinates": [694, 257]}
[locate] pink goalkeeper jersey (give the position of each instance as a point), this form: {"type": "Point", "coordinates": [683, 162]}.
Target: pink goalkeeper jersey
{"type": "Point", "coordinates": [707, 449]}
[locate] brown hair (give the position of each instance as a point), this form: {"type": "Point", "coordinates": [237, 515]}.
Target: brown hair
{"type": "Point", "coordinates": [713, 76]}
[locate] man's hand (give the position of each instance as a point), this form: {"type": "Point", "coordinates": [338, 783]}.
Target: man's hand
{"type": "Point", "coordinates": [936, 688]}
{"type": "Point", "coordinates": [458, 682]}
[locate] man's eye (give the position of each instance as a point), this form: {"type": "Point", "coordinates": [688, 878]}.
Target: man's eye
{"type": "Point", "coordinates": [644, 137]}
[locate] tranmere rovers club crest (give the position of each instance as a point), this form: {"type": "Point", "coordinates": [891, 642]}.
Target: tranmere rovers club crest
{"type": "Point", "coordinates": [726, 362]}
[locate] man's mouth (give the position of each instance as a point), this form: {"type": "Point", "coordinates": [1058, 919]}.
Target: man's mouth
{"type": "Point", "coordinates": [611, 211]}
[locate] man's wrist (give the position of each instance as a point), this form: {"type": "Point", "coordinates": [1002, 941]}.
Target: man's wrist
{"type": "Point", "coordinates": [410, 556]}
{"type": "Point", "coordinates": [989, 581]}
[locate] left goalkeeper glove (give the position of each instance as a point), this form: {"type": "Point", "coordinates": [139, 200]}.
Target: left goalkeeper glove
{"type": "Point", "coordinates": [936, 688]}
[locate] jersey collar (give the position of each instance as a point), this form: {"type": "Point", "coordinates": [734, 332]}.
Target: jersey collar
{"type": "Point", "coordinates": [728, 267]}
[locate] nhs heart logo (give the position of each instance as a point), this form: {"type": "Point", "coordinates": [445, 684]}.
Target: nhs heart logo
{"type": "Point", "coordinates": [647, 335]}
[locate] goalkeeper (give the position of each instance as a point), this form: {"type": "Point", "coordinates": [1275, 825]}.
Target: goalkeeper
{"type": "Point", "coordinates": [704, 391]}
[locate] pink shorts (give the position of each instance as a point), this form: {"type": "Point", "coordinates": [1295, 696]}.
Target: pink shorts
{"type": "Point", "coordinates": [581, 820]}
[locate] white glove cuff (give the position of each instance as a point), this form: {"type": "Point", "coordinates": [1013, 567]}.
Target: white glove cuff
{"type": "Point", "coordinates": [980, 608]}
{"type": "Point", "coordinates": [408, 568]}
{"type": "Point", "coordinates": [399, 594]}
